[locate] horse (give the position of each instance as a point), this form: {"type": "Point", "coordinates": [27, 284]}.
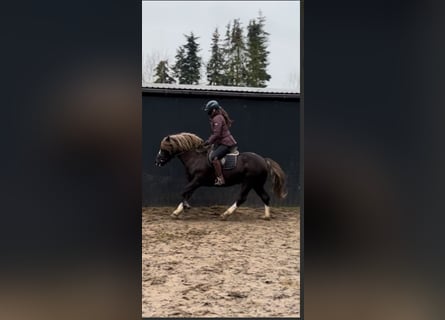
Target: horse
{"type": "Point", "coordinates": [251, 171]}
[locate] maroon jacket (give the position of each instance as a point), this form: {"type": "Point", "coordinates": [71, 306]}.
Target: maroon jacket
{"type": "Point", "coordinates": [220, 132]}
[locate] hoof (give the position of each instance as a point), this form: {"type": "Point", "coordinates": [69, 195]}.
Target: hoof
{"type": "Point", "coordinates": [265, 218]}
{"type": "Point", "coordinates": [223, 217]}
{"type": "Point", "coordinates": [174, 216]}
{"type": "Point", "coordinates": [187, 206]}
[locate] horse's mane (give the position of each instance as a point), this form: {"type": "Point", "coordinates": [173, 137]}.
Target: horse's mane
{"type": "Point", "coordinates": [181, 142]}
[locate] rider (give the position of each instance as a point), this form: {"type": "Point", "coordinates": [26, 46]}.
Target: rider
{"type": "Point", "coordinates": [221, 137]}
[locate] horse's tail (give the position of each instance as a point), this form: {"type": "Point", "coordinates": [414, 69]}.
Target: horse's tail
{"type": "Point", "coordinates": [278, 178]}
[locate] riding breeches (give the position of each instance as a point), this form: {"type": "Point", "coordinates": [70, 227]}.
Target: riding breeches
{"type": "Point", "coordinates": [221, 151]}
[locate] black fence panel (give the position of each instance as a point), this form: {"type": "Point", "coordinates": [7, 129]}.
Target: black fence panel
{"type": "Point", "coordinates": [267, 126]}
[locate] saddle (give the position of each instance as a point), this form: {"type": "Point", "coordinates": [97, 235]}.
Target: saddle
{"type": "Point", "coordinates": [229, 160]}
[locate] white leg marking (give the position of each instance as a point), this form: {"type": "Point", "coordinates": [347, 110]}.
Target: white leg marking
{"type": "Point", "coordinates": [233, 208]}
{"type": "Point", "coordinates": [266, 212]}
{"type": "Point", "coordinates": [179, 209]}
{"type": "Point", "coordinates": [230, 210]}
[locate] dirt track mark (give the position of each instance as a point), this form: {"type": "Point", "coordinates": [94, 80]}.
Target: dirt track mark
{"type": "Point", "coordinates": [201, 266]}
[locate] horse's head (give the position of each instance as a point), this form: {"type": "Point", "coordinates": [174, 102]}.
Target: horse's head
{"type": "Point", "coordinates": [163, 158]}
{"type": "Point", "coordinates": [175, 144]}
{"type": "Point", "coordinates": [165, 153]}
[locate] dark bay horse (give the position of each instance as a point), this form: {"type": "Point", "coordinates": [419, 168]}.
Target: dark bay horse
{"type": "Point", "coordinates": [251, 171]}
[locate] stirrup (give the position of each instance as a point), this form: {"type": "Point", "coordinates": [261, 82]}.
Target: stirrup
{"type": "Point", "coordinates": [219, 181]}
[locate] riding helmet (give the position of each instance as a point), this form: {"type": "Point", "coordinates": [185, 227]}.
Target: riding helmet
{"type": "Point", "coordinates": [212, 104]}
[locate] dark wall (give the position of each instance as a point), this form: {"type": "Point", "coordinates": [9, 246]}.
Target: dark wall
{"type": "Point", "coordinates": [269, 127]}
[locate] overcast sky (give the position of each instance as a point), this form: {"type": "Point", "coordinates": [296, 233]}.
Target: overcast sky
{"type": "Point", "coordinates": [164, 24]}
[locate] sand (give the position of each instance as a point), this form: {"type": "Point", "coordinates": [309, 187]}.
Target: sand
{"type": "Point", "coordinates": [200, 266]}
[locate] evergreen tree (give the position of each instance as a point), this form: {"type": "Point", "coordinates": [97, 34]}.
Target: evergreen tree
{"type": "Point", "coordinates": [225, 55]}
{"type": "Point", "coordinates": [236, 57]}
{"type": "Point", "coordinates": [215, 66]}
{"type": "Point", "coordinates": [179, 65]}
{"type": "Point", "coordinates": [257, 53]}
{"type": "Point", "coordinates": [162, 73]}
{"type": "Point", "coordinates": [193, 61]}
{"type": "Point", "coordinates": [188, 63]}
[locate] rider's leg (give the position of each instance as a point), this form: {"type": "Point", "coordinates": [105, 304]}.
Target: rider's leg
{"type": "Point", "coordinates": [218, 172]}
{"type": "Point", "coordinates": [219, 153]}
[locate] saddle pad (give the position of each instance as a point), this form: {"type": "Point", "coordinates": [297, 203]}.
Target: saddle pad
{"type": "Point", "coordinates": [228, 162]}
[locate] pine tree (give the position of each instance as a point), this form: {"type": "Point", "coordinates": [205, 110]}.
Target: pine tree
{"type": "Point", "coordinates": [193, 61]}
{"type": "Point", "coordinates": [162, 73]}
{"type": "Point", "coordinates": [215, 66]}
{"type": "Point", "coordinates": [236, 57]}
{"type": "Point", "coordinates": [179, 65]}
{"type": "Point", "coordinates": [225, 55]}
{"type": "Point", "coordinates": [188, 63]}
{"type": "Point", "coordinates": [257, 53]}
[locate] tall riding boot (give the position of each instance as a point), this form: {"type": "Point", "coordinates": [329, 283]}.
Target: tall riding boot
{"type": "Point", "coordinates": [218, 171]}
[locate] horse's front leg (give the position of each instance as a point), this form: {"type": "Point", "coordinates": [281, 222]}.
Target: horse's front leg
{"type": "Point", "coordinates": [186, 194]}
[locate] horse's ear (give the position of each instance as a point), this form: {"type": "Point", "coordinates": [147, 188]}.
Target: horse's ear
{"type": "Point", "coordinates": [168, 138]}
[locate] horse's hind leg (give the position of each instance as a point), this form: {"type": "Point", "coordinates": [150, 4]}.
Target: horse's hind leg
{"type": "Point", "coordinates": [266, 199]}
{"type": "Point", "coordinates": [245, 189]}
